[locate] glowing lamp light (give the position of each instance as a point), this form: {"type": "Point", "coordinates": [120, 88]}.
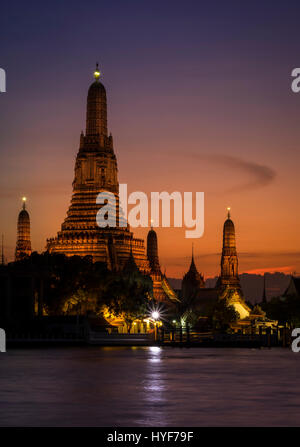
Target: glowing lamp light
{"type": "Point", "coordinates": [97, 73]}
{"type": "Point", "coordinates": [24, 199]}
{"type": "Point", "coordinates": [155, 315]}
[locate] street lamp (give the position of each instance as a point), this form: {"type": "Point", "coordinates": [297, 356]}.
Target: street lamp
{"type": "Point", "coordinates": [155, 316]}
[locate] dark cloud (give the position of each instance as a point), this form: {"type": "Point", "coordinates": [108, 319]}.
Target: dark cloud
{"type": "Point", "coordinates": [256, 175]}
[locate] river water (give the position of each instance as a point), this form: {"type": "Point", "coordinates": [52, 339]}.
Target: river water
{"type": "Point", "coordinates": [149, 386]}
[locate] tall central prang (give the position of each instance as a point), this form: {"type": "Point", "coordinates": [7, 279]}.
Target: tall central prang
{"type": "Point", "coordinates": [95, 171]}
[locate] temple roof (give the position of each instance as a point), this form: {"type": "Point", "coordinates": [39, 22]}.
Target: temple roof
{"type": "Point", "coordinates": [293, 287]}
{"type": "Point", "coordinates": [297, 284]}
{"type": "Point", "coordinates": [193, 274]}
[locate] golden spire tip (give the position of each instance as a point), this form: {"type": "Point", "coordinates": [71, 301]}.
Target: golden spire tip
{"type": "Point", "coordinates": [97, 72]}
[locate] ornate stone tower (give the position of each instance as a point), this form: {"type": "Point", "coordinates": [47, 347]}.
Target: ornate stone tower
{"type": "Point", "coordinates": [229, 283]}
{"type": "Point", "coordinates": [23, 247]}
{"type": "Point", "coordinates": [162, 290]}
{"type": "Point", "coordinates": [192, 282]}
{"type": "Point", "coordinates": [229, 259]}
{"type": "Point", "coordinates": [96, 171]}
{"type": "Point", "coordinates": [152, 252]}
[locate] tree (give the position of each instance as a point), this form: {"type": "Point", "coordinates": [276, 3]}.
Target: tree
{"type": "Point", "coordinates": [71, 284]}
{"type": "Point", "coordinates": [223, 315]}
{"type": "Point", "coordinates": [128, 296]}
{"type": "Point", "coordinates": [286, 310]}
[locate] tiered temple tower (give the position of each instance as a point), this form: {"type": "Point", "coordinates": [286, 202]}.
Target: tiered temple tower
{"type": "Point", "coordinates": [229, 283]}
{"type": "Point", "coordinates": [152, 252]}
{"type": "Point", "coordinates": [23, 247]}
{"type": "Point", "coordinates": [162, 290]}
{"type": "Point", "coordinates": [96, 171]}
{"type": "Point", "coordinates": [229, 260]}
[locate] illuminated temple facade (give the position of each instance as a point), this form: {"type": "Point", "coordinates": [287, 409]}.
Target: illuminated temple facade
{"type": "Point", "coordinates": [96, 171]}
{"type": "Point", "coordinates": [229, 282]}
{"type": "Point", "coordinates": [198, 297]}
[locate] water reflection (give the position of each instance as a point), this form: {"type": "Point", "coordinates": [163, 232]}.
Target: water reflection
{"type": "Point", "coordinates": [155, 387]}
{"type": "Point", "coordinates": [125, 387]}
{"type": "Point", "coordinates": [155, 354]}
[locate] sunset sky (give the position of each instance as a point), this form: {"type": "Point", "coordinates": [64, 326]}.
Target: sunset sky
{"type": "Point", "coordinates": [199, 99]}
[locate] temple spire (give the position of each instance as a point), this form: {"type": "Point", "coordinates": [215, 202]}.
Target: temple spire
{"type": "Point", "coordinates": [23, 247]}
{"type": "Point", "coordinates": [193, 265]}
{"type": "Point", "coordinates": [152, 251]}
{"type": "Point", "coordinates": [96, 115]}
{"type": "Point", "coordinates": [192, 281]}
{"type": "Point", "coordinates": [229, 259]}
{"type": "Point", "coordinates": [97, 72]}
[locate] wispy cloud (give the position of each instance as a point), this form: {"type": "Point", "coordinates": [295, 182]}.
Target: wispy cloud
{"type": "Point", "coordinates": [287, 269]}
{"type": "Point", "coordinates": [256, 175]}
{"type": "Point", "coordinates": [36, 190]}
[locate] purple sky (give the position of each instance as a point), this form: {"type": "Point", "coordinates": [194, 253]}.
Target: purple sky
{"type": "Point", "coordinates": [199, 99]}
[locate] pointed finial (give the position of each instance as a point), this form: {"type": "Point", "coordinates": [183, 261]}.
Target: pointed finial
{"type": "Point", "coordinates": [97, 72]}
{"type": "Point", "coordinates": [228, 212]}
{"type": "Point", "coordinates": [24, 202]}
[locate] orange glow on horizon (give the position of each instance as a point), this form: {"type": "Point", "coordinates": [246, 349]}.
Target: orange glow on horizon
{"type": "Point", "coordinates": [285, 269]}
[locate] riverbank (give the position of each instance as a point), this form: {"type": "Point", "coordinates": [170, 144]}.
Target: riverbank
{"type": "Point", "coordinates": [204, 341]}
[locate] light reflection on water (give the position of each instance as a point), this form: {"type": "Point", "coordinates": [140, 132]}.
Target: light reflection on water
{"type": "Point", "coordinates": [154, 390]}
{"type": "Point", "coordinates": [149, 387]}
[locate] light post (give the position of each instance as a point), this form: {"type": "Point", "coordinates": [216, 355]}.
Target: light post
{"type": "Point", "coordinates": [155, 316]}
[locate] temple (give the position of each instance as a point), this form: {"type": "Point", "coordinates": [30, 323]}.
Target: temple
{"type": "Point", "coordinates": [192, 282]}
{"type": "Point", "coordinates": [197, 298]}
{"type": "Point", "coordinates": [229, 283]}
{"type": "Point", "coordinates": [23, 246]}
{"type": "Point", "coordinates": [96, 171]}
{"type": "Point", "coordinates": [162, 290]}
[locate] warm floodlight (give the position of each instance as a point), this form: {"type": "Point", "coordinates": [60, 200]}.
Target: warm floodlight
{"type": "Point", "coordinates": [97, 72]}
{"type": "Point", "coordinates": [155, 315]}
